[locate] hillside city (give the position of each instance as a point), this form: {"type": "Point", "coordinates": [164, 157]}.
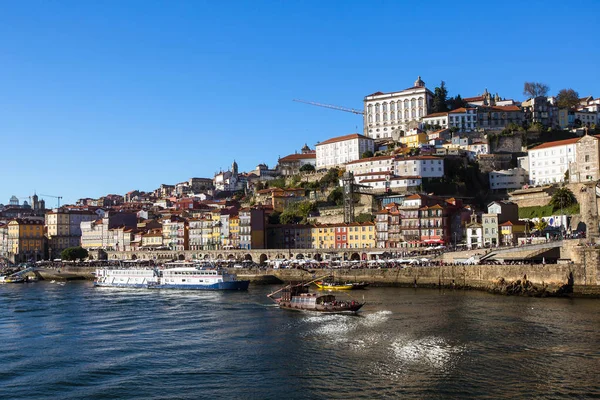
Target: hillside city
{"type": "Point", "coordinates": [428, 170]}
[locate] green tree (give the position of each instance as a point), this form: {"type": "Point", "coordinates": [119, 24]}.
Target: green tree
{"type": "Point", "coordinates": [367, 154]}
{"type": "Point", "coordinates": [287, 218]}
{"type": "Point", "coordinates": [274, 218]}
{"type": "Point", "coordinates": [331, 178]}
{"type": "Point", "coordinates": [307, 168]}
{"type": "Point", "coordinates": [537, 127]}
{"type": "Point", "coordinates": [364, 217]}
{"type": "Point", "coordinates": [336, 196]}
{"type": "Point", "coordinates": [456, 102]}
{"type": "Point", "coordinates": [278, 183]}
{"type": "Point", "coordinates": [440, 95]}
{"type": "Point", "coordinates": [535, 89]}
{"type": "Point", "coordinates": [567, 98]}
{"type": "Point", "coordinates": [74, 253]}
{"type": "Point", "coordinates": [562, 198]}
{"type": "Point", "coordinates": [305, 208]}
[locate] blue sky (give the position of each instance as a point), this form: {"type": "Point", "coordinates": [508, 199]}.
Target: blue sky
{"type": "Point", "coordinates": [106, 97]}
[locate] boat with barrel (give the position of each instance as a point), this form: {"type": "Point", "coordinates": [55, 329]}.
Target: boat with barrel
{"type": "Point", "coordinates": [186, 276]}
{"type": "Point", "coordinates": [298, 298]}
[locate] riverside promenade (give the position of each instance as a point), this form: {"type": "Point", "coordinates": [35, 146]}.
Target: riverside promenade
{"type": "Point", "coordinates": [580, 280]}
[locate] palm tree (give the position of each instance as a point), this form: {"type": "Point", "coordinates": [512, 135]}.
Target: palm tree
{"type": "Point", "coordinates": [563, 197]}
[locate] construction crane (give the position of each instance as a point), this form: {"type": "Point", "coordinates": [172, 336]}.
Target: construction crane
{"type": "Point", "coordinates": [350, 110]}
{"type": "Point", "coordinates": [56, 197]}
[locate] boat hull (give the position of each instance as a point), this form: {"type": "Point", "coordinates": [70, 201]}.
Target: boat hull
{"type": "Point", "coordinates": [349, 309]}
{"type": "Point", "coordinates": [333, 287]}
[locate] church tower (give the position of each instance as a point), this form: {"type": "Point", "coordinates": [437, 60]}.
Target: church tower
{"type": "Point", "coordinates": [234, 168]}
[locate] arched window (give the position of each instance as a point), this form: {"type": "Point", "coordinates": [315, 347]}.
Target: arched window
{"type": "Point", "coordinates": [420, 102]}
{"type": "Point", "coordinates": [413, 113]}
{"type": "Point", "coordinates": [384, 107]}
{"type": "Point", "coordinates": [370, 118]}
{"type": "Point", "coordinates": [405, 114]}
{"type": "Point", "coordinates": [392, 116]}
{"type": "Point", "coordinates": [376, 117]}
{"type": "Point", "coordinates": [392, 106]}
{"type": "Point", "coordinates": [405, 104]}
{"type": "Point", "coordinates": [420, 112]}
{"type": "Point", "coordinates": [384, 116]}
{"type": "Point", "coordinates": [413, 103]}
{"type": "Point", "coordinates": [377, 108]}
{"type": "Point", "coordinates": [370, 108]}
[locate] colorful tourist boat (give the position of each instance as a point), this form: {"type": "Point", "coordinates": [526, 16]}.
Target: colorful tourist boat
{"type": "Point", "coordinates": [185, 277]}
{"type": "Point", "coordinates": [297, 297]}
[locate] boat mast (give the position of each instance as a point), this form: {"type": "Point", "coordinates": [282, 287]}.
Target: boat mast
{"type": "Point", "coordinates": [300, 284]}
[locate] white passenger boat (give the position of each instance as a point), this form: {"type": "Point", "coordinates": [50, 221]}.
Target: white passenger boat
{"type": "Point", "coordinates": [187, 277]}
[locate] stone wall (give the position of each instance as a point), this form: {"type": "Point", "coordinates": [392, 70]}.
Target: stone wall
{"type": "Point", "coordinates": [585, 278]}
{"type": "Point", "coordinates": [532, 197]}
{"type": "Point", "coordinates": [506, 144]}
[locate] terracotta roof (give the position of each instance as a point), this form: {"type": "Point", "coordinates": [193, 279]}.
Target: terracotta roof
{"type": "Point", "coordinates": [502, 108]}
{"type": "Point", "coordinates": [439, 114]}
{"type": "Point", "coordinates": [342, 138]}
{"type": "Point", "coordinates": [460, 110]}
{"type": "Point", "coordinates": [556, 143]}
{"type": "Point", "coordinates": [476, 98]}
{"type": "Point", "coordinates": [295, 157]}
{"type": "Point", "coordinates": [508, 223]}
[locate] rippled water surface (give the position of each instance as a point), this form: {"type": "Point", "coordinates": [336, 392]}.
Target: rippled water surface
{"type": "Point", "coordinates": [79, 342]}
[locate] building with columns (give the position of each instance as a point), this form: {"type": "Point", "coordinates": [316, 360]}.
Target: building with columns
{"type": "Point", "coordinates": [386, 114]}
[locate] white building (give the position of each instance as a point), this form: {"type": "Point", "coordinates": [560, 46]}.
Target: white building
{"type": "Point", "coordinates": [465, 119]}
{"type": "Point", "coordinates": [587, 117]}
{"type": "Point", "coordinates": [388, 113]}
{"type": "Point", "coordinates": [523, 162]}
{"type": "Point", "coordinates": [514, 178]}
{"type": "Point", "coordinates": [340, 150]}
{"type": "Point", "coordinates": [548, 162]}
{"type": "Point", "coordinates": [228, 181]}
{"type": "Point", "coordinates": [372, 164]}
{"type": "Point", "coordinates": [421, 166]}
{"type": "Point", "coordinates": [437, 119]}
{"type": "Point", "coordinates": [389, 182]}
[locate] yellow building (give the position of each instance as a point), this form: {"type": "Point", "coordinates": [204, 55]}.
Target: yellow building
{"type": "Point", "coordinates": [361, 236]}
{"type": "Point", "coordinates": [152, 240]}
{"type": "Point", "coordinates": [215, 239]}
{"type": "Point", "coordinates": [511, 232]}
{"type": "Point", "coordinates": [234, 231]}
{"type": "Point", "coordinates": [323, 236]}
{"type": "Point", "coordinates": [413, 141]}
{"type": "Point", "coordinates": [344, 236]}
{"type": "Point", "coordinates": [26, 239]}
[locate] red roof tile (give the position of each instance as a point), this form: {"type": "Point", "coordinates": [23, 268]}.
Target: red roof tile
{"type": "Point", "coordinates": [342, 138]}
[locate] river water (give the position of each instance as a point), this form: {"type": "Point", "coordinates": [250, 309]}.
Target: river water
{"type": "Point", "coordinates": [80, 342]}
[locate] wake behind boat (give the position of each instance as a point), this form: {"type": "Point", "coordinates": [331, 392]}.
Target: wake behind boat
{"type": "Point", "coordinates": [186, 276]}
